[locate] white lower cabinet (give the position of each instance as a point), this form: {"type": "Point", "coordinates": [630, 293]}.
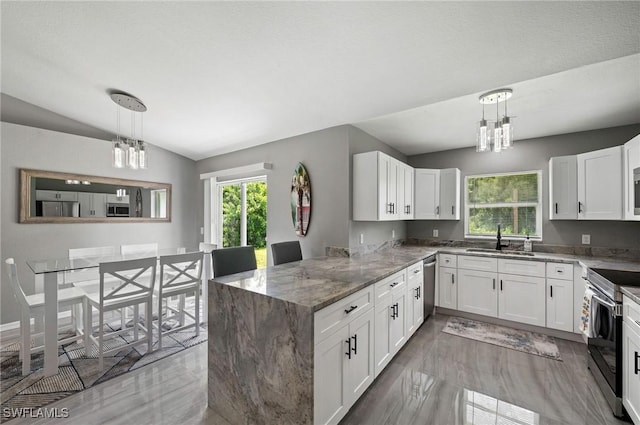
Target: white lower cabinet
{"type": "Point", "coordinates": [390, 318]}
{"type": "Point", "coordinates": [631, 359]}
{"type": "Point", "coordinates": [522, 299]}
{"type": "Point", "coordinates": [415, 303]}
{"type": "Point", "coordinates": [477, 292]}
{"type": "Point", "coordinates": [447, 288]}
{"type": "Point", "coordinates": [343, 368]}
{"type": "Point", "coordinates": [560, 296]}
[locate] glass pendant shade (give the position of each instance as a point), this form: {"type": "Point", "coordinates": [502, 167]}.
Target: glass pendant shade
{"type": "Point", "coordinates": [143, 158]}
{"type": "Point", "coordinates": [117, 154]}
{"type": "Point", "coordinates": [132, 154]}
{"type": "Point", "coordinates": [507, 133]}
{"type": "Point", "coordinates": [497, 138]}
{"type": "Point", "coordinates": [483, 137]}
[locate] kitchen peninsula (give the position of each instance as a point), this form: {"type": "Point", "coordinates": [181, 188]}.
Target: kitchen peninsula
{"type": "Point", "coordinates": [261, 332]}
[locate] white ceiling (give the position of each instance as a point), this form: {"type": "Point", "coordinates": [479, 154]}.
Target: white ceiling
{"type": "Point", "coordinates": [221, 76]}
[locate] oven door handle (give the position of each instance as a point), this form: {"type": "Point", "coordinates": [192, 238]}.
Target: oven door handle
{"type": "Point", "coordinates": [605, 302]}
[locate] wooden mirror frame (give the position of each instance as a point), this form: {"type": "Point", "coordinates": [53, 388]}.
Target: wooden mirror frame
{"type": "Point", "coordinates": [26, 176]}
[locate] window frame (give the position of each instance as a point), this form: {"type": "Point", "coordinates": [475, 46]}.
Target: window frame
{"type": "Point", "coordinates": [538, 205]}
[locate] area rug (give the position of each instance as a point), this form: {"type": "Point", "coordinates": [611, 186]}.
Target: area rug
{"type": "Point", "coordinates": [515, 339]}
{"type": "Point", "coordinates": [78, 371]}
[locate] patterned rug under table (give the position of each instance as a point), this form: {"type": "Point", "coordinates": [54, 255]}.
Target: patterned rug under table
{"type": "Point", "coordinates": [78, 371]}
{"type": "Point", "coordinates": [515, 339]}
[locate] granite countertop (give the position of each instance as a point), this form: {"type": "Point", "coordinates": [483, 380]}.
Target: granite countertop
{"type": "Point", "coordinates": [318, 282]}
{"type": "Point", "coordinates": [632, 292]}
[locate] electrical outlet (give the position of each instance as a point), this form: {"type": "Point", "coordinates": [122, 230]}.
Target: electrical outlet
{"type": "Point", "coordinates": [393, 234]}
{"type": "Point", "coordinates": [361, 238]}
{"type": "Point", "coordinates": [586, 239]}
{"type": "Point", "coordinates": [435, 233]}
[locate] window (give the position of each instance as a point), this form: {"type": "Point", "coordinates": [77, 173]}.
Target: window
{"type": "Point", "coordinates": [513, 200]}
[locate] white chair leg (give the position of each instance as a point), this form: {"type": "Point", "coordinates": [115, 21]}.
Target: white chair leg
{"type": "Point", "coordinates": [25, 346]}
{"type": "Point", "coordinates": [136, 321]}
{"type": "Point", "coordinates": [88, 326]}
{"type": "Point", "coordinates": [181, 306]}
{"type": "Point", "coordinates": [197, 312]}
{"type": "Point", "coordinates": [101, 341]}
{"type": "Point", "coordinates": [149, 311]}
{"type": "Point", "coordinates": [159, 321]}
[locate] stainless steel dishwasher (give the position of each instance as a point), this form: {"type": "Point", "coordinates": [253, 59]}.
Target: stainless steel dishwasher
{"type": "Point", "coordinates": [429, 279]}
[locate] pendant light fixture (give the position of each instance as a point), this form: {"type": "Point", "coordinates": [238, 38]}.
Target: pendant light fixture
{"type": "Point", "coordinates": [130, 152]}
{"type": "Point", "coordinates": [499, 134]}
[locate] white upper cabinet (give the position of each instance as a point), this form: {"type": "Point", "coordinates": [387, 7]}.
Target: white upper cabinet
{"type": "Point", "coordinates": [631, 187]}
{"type": "Point", "coordinates": [600, 184]}
{"type": "Point", "coordinates": [382, 188]}
{"type": "Point", "coordinates": [53, 195]}
{"type": "Point", "coordinates": [450, 194]}
{"type": "Point", "coordinates": [563, 188]}
{"type": "Point", "coordinates": [437, 194]}
{"type": "Point", "coordinates": [427, 194]}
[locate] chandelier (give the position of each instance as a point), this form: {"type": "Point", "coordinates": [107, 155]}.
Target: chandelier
{"type": "Point", "coordinates": [129, 152]}
{"type": "Point", "coordinates": [496, 135]}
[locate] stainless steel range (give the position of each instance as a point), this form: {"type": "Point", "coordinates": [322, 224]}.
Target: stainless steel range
{"type": "Point", "coordinates": [605, 341]}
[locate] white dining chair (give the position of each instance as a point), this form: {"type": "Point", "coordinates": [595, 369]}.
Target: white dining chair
{"type": "Point", "coordinates": [207, 273]}
{"type": "Point", "coordinates": [33, 306]}
{"type": "Point", "coordinates": [87, 279]}
{"type": "Point", "coordinates": [137, 279]}
{"type": "Point", "coordinates": [180, 276]}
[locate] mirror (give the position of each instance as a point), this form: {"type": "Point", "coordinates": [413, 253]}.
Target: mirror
{"type": "Point", "coordinates": [52, 197]}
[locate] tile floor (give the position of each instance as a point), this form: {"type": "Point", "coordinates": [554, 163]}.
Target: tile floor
{"type": "Point", "coordinates": [437, 379]}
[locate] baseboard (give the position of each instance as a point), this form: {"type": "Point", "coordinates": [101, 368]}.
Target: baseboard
{"type": "Point", "coordinates": [570, 336]}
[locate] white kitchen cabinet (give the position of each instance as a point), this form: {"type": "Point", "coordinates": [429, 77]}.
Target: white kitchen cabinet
{"type": "Point", "coordinates": [415, 303]}
{"type": "Point", "coordinates": [560, 296]}
{"type": "Point", "coordinates": [477, 292]}
{"type": "Point", "coordinates": [522, 299]}
{"type": "Point", "coordinates": [560, 304]}
{"type": "Point", "coordinates": [54, 195]}
{"type": "Point", "coordinates": [450, 194]}
{"type": "Point", "coordinates": [563, 188]}
{"type": "Point", "coordinates": [600, 184]}
{"type": "Point", "coordinates": [631, 359]}
{"type": "Point", "coordinates": [447, 288]}
{"type": "Point", "coordinates": [437, 194]}
{"type": "Point", "coordinates": [343, 367]}
{"type": "Point", "coordinates": [631, 162]}
{"type": "Point", "coordinates": [390, 318]}
{"type": "Point", "coordinates": [382, 188]}
{"type": "Point", "coordinates": [427, 194]}
{"type": "Point", "coordinates": [92, 204]}
{"type": "Point", "coordinates": [405, 191]}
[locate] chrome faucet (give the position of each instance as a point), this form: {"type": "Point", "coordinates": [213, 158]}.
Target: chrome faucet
{"type": "Point", "coordinates": [499, 245]}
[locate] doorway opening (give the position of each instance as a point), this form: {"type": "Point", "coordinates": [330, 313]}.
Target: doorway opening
{"type": "Point", "coordinates": [242, 212]}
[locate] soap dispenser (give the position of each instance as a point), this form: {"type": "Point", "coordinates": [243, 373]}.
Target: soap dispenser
{"type": "Point", "coordinates": [527, 244]}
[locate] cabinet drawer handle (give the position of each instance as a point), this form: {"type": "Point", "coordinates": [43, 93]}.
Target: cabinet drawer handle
{"type": "Point", "coordinates": [416, 271]}
{"type": "Point", "coordinates": [348, 353]}
{"type": "Point", "coordinates": [393, 284]}
{"type": "Point", "coordinates": [637, 323]}
{"type": "Point", "coordinates": [355, 344]}
{"type": "Point", "coordinates": [353, 307]}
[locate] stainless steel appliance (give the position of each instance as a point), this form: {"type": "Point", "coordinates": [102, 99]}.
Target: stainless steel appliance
{"type": "Point", "coordinates": [636, 191]}
{"type": "Point", "coordinates": [429, 280]}
{"type": "Point", "coordinates": [117, 210]}
{"type": "Point", "coordinates": [58, 208]}
{"type": "Point", "coordinates": [605, 340]}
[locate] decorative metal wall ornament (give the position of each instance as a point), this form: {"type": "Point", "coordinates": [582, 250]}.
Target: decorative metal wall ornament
{"type": "Point", "coordinates": [300, 200]}
{"type": "Point", "coordinates": [139, 203]}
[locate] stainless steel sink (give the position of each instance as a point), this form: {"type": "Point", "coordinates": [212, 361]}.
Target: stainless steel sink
{"type": "Point", "coordinates": [504, 251]}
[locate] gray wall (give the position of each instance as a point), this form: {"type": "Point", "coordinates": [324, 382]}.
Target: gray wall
{"type": "Point", "coordinates": [325, 156]}
{"type": "Point", "coordinates": [28, 147]}
{"type": "Point", "coordinates": [374, 233]}
{"type": "Point", "coordinates": [534, 154]}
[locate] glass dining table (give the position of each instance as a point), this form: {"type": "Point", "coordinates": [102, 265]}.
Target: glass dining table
{"type": "Point", "coordinates": [51, 268]}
